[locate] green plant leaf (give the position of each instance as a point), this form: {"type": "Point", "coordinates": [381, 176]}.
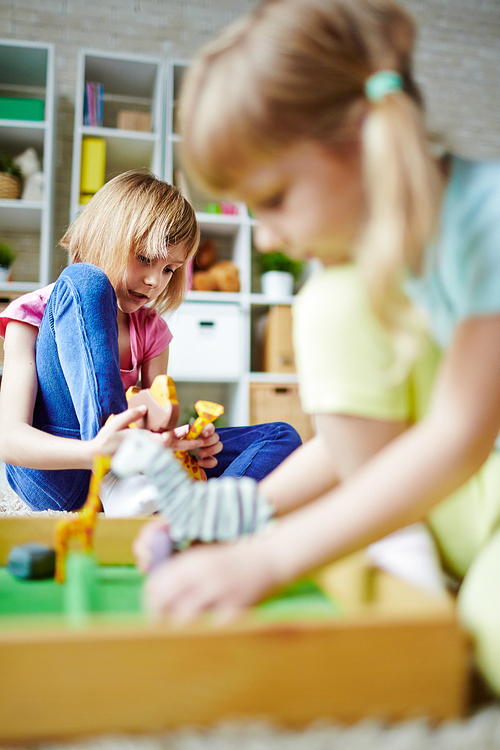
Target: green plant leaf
{"type": "Point", "coordinates": [277, 261]}
{"type": "Point", "coordinates": [7, 256]}
{"type": "Point", "coordinates": [8, 166]}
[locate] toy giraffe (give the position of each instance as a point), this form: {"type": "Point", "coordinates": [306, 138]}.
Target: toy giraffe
{"type": "Point", "coordinates": [80, 525]}
{"type": "Point", "coordinates": [207, 412]}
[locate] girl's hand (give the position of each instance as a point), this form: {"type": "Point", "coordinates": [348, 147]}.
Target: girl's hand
{"type": "Point", "coordinates": [208, 444]}
{"type": "Point", "coordinates": [224, 578]}
{"type": "Point", "coordinates": [109, 438]}
{"type": "Point", "coordinates": [142, 546]}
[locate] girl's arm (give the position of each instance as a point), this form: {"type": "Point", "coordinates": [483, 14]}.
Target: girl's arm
{"type": "Point", "coordinates": [399, 485]}
{"type": "Point", "coordinates": [342, 445]}
{"type": "Point", "coordinates": [153, 367]}
{"type": "Point", "coordinates": [23, 445]}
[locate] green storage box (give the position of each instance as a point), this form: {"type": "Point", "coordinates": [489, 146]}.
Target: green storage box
{"type": "Point", "coordinates": [13, 108]}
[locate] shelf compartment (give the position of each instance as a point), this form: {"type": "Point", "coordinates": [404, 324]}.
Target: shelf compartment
{"type": "Point", "coordinates": [124, 150]}
{"type": "Point", "coordinates": [271, 340]}
{"type": "Point", "coordinates": [23, 65]}
{"type": "Point", "coordinates": [128, 83]}
{"type": "Point", "coordinates": [19, 215]}
{"type": "Point", "coordinates": [132, 83]}
{"type": "Point", "coordinates": [18, 135]}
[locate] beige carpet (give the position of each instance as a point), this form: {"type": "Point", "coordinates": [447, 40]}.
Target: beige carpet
{"type": "Point", "coordinates": [479, 731]}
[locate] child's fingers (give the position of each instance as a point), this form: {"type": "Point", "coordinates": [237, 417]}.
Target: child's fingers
{"type": "Point", "coordinates": [142, 544]}
{"type": "Point", "coordinates": [125, 418]}
{"type": "Point", "coordinates": [167, 438]}
{"type": "Point", "coordinates": [207, 463]}
{"type": "Point", "coordinates": [187, 445]}
{"type": "Point", "coordinates": [181, 432]}
{"type": "Point", "coordinates": [211, 448]}
{"type": "Point", "coordinates": [208, 431]}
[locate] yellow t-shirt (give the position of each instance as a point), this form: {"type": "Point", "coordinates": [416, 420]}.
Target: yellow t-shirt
{"type": "Point", "coordinates": [345, 356]}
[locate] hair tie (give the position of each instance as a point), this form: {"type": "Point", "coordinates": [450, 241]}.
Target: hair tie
{"type": "Point", "coordinates": [381, 83]}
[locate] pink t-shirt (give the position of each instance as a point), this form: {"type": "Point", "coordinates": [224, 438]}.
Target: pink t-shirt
{"type": "Point", "coordinates": [149, 334]}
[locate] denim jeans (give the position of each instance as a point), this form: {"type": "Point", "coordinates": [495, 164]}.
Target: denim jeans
{"type": "Point", "coordinates": [79, 386]}
{"type": "Point", "coordinates": [254, 451]}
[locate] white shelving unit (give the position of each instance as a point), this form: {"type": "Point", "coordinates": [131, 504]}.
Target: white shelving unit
{"type": "Point", "coordinates": [233, 236]}
{"type": "Point", "coordinates": [27, 71]}
{"type": "Point", "coordinates": [130, 82]}
{"type": "Point", "coordinates": [212, 355]}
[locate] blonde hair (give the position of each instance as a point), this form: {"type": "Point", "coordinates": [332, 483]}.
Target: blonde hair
{"type": "Point", "coordinates": [135, 212]}
{"type": "Point", "coordinates": [295, 70]}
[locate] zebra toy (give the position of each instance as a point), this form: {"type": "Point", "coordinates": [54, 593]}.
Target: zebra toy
{"type": "Point", "coordinates": [217, 510]}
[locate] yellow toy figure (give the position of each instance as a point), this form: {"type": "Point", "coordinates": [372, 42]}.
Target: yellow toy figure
{"type": "Point", "coordinates": [208, 412]}
{"type": "Point", "coordinates": [164, 394]}
{"type": "Point", "coordinates": [80, 525]}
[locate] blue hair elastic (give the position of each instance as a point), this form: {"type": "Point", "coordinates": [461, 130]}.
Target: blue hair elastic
{"type": "Point", "coordinates": [381, 83]}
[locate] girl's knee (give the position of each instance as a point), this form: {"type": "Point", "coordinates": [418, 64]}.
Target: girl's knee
{"type": "Point", "coordinates": [479, 609]}
{"type": "Point", "coordinates": [87, 276]}
{"type": "Point", "coordinates": [85, 283]}
{"type": "Point", "coordinates": [286, 433]}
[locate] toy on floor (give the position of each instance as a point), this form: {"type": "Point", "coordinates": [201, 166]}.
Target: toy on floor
{"type": "Point", "coordinates": [211, 275]}
{"type": "Point", "coordinates": [162, 400]}
{"type": "Point", "coordinates": [32, 561]}
{"type": "Point", "coordinates": [208, 412]}
{"type": "Point", "coordinates": [218, 510]}
{"type": "Point", "coordinates": [80, 526]}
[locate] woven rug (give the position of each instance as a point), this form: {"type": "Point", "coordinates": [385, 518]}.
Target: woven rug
{"type": "Point", "coordinates": [478, 731]}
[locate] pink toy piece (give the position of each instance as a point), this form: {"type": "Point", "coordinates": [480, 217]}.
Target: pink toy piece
{"type": "Point", "coordinates": [161, 546]}
{"type": "Point", "coordinates": [157, 417]}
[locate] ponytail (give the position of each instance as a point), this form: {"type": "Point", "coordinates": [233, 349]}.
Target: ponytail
{"type": "Point", "coordinates": [403, 187]}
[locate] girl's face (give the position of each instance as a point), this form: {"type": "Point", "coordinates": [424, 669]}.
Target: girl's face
{"type": "Point", "coordinates": [146, 279]}
{"type": "Point", "coordinates": [309, 203]}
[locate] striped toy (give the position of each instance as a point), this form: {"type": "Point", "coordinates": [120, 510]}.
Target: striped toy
{"type": "Point", "coordinates": [217, 510]}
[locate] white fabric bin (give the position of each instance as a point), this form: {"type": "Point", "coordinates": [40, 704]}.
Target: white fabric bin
{"type": "Point", "coordinates": [208, 341]}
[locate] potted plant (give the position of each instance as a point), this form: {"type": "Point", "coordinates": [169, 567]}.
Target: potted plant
{"type": "Point", "coordinates": [7, 258]}
{"type": "Point", "coordinates": [10, 178]}
{"type": "Point", "coordinates": [279, 273]}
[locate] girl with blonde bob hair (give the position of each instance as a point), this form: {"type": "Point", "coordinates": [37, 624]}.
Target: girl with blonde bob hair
{"type": "Point", "coordinates": [92, 335]}
{"type": "Point", "coordinates": [307, 110]}
{"type": "Point", "coordinates": [135, 210]}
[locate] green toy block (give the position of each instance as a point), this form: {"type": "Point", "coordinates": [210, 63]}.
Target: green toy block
{"type": "Point", "coordinates": [13, 108]}
{"type": "Point", "coordinates": [81, 592]}
{"type": "Point", "coordinates": [212, 208]}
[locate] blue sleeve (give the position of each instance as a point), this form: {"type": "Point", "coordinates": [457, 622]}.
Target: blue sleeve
{"type": "Point", "coordinates": [478, 229]}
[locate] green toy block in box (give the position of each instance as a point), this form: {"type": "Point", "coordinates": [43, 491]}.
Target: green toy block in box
{"type": "Point", "coordinates": [13, 108]}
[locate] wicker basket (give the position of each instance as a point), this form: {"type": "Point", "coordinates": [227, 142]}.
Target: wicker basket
{"type": "Point", "coordinates": [279, 402]}
{"type": "Point", "coordinates": [9, 187]}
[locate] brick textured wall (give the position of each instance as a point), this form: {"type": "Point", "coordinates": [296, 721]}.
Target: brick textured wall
{"type": "Point", "coordinates": [457, 59]}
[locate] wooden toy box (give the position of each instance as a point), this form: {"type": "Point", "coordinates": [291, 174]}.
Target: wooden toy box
{"type": "Point", "coordinates": [395, 653]}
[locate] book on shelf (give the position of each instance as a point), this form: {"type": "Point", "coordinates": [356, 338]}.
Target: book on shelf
{"type": "Point", "coordinates": [92, 108]}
